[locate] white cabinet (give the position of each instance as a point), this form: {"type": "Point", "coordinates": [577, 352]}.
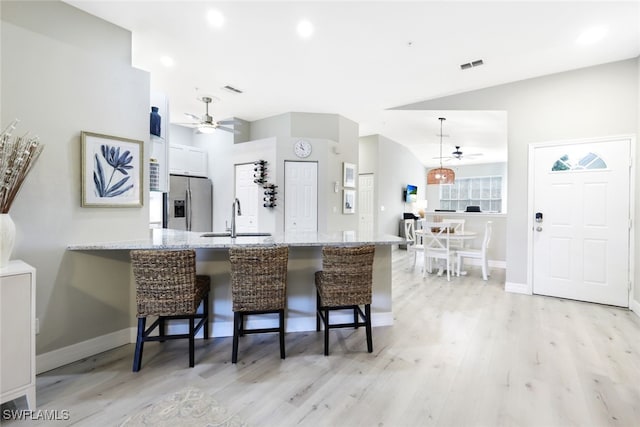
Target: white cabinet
{"type": "Point", "coordinates": [187, 160]}
{"type": "Point", "coordinates": [18, 332]}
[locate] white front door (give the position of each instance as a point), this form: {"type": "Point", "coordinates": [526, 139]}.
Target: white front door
{"type": "Point", "coordinates": [365, 203]}
{"type": "Point", "coordinates": [300, 196]}
{"type": "Point", "coordinates": [582, 234]}
{"type": "Point", "coordinates": [250, 196]}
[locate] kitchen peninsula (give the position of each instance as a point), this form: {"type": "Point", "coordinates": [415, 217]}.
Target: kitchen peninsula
{"type": "Point", "coordinates": [305, 258]}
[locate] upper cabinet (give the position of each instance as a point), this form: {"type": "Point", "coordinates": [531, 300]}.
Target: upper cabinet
{"type": "Point", "coordinates": [159, 137]}
{"type": "Point", "coordinates": [187, 160]}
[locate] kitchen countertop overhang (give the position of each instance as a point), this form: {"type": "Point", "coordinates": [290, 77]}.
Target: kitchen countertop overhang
{"type": "Point", "coordinates": [160, 238]}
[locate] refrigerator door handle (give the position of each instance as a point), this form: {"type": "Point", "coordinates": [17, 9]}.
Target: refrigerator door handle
{"type": "Point", "coordinates": [189, 212]}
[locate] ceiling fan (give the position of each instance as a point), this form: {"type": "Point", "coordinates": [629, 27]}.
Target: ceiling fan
{"type": "Point", "coordinates": [206, 124]}
{"type": "Point", "coordinates": [458, 154]}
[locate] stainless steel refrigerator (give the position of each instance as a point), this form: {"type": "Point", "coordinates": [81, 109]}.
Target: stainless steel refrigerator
{"type": "Point", "coordinates": [189, 204]}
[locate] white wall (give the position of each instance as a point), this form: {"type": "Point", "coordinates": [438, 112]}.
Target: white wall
{"type": "Point", "coordinates": [64, 71]}
{"type": "Point", "coordinates": [393, 166]}
{"type": "Point", "coordinates": [589, 102]}
{"type": "Point", "coordinates": [324, 132]}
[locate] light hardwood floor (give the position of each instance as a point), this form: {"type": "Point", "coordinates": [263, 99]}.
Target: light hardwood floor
{"type": "Point", "coordinates": [460, 353]}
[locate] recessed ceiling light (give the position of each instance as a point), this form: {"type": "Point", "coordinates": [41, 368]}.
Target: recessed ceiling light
{"type": "Point", "coordinates": [592, 35]}
{"type": "Point", "coordinates": [215, 18]}
{"type": "Point", "coordinates": [167, 61]}
{"type": "Point", "coordinates": [305, 29]}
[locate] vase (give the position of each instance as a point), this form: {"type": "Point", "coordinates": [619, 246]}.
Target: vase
{"type": "Point", "coordinates": [154, 124]}
{"type": "Point", "coordinates": [7, 238]}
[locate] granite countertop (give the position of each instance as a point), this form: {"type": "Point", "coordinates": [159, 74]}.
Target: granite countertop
{"type": "Point", "coordinates": [160, 238]}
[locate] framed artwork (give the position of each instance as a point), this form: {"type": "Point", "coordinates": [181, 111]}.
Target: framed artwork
{"type": "Point", "coordinates": [349, 175]}
{"type": "Point", "coordinates": [111, 171]}
{"type": "Point", "coordinates": [349, 202]}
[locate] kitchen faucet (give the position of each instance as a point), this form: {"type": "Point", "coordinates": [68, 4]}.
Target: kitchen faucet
{"type": "Point", "coordinates": [233, 216]}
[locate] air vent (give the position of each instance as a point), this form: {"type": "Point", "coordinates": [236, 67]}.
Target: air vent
{"type": "Point", "coordinates": [472, 64]}
{"type": "Point", "coordinates": [231, 89]}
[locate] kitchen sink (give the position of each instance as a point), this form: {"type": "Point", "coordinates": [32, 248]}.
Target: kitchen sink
{"type": "Point", "coordinates": [227, 234]}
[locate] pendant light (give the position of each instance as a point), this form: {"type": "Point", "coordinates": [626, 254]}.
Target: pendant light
{"type": "Point", "coordinates": [441, 175]}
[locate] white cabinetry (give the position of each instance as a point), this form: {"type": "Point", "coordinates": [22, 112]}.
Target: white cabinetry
{"type": "Point", "coordinates": [18, 332]}
{"type": "Point", "coordinates": [187, 160]}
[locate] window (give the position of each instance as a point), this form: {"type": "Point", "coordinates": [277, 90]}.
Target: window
{"type": "Point", "coordinates": [588, 161]}
{"type": "Point", "coordinates": [485, 192]}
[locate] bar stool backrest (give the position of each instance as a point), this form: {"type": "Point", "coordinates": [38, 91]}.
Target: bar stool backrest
{"type": "Point", "coordinates": [258, 277]}
{"type": "Point", "coordinates": [347, 275]}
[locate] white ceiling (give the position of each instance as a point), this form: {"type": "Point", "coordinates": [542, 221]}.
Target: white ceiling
{"type": "Point", "coordinates": [367, 57]}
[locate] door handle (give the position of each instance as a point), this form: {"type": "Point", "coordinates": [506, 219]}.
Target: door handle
{"type": "Point", "coordinates": [188, 197]}
{"type": "Point", "coordinates": [538, 228]}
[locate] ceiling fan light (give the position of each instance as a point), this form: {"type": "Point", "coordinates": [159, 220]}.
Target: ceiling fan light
{"type": "Point", "coordinates": [206, 129]}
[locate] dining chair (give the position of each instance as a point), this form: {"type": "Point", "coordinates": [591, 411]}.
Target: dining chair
{"type": "Point", "coordinates": [167, 287]}
{"type": "Point", "coordinates": [437, 245]}
{"type": "Point", "coordinates": [414, 244]}
{"type": "Point", "coordinates": [345, 283]}
{"type": "Point", "coordinates": [258, 286]}
{"type": "Point", "coordinates": [480, 254]}
{"type": "Point", "coordinates": [457, 225]}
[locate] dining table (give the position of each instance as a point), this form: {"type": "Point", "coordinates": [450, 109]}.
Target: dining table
{"type": "Point", "coordinates": [456, 237]}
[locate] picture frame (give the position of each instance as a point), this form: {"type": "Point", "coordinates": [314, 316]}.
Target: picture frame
{"type": "Point", "coordinates": [112, 171]}
{"type": "Point", "coordinates": [349, 175]}
{"type": "Point", "coordinates": [349, 202]}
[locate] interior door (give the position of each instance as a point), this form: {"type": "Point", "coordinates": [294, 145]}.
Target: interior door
{"type": "Point", "coordinates": [365, 203]}
{"type": "Point", "coordinates": [300, 196]}
{"type": "Point", "coordinates": [250, 197]}
{"type": "Point", "coordinates": [581, 232]}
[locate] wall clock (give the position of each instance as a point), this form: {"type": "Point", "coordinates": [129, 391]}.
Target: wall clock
{"type": "Point", "coordinates": [302, 148]}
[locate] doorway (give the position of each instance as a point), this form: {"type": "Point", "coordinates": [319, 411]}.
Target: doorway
{"type": "Point", "coordinates": [300, 196]}
{"type": "Point", "coordinates": [581, 219]}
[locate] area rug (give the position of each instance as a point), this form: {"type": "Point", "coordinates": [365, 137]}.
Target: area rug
{"type": "Point", "coordinates": [187, 407]}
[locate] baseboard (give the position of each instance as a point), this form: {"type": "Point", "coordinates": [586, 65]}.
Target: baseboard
{"type": "Point", "coordinates": [517, 288]}
{"type": "Point", "coordinates": [635, 307]}
{"type": "Point", "coordinates": [65, 355]}
{"type": "Point", "coordinates": [492, 263]}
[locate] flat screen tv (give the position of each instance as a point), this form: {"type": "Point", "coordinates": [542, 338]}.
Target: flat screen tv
{"type": "Point", "coordinates": [411, 195]}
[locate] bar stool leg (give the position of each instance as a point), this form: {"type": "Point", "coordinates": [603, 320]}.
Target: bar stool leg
{"type": "Point", "coordinates": [205, 309]}
{"type": "Point", "coordinates": [367, 313]}
{"type": "Point", "coordinates": [326, 332]}
{"type": "Point", "coordinates": [192, 341]}
{"type": "Point", "coordinates": [355, 317]}
{"type": "Point", "coordinates": [137, 358]}
{"type": "Point", "coordinates": [161, 328]}
{"type": "Point", "coordinates": [236, 330]}
{"type": "Point", "coordinates": [281, 333]}
{"type": "Point", "coordinates": [317, 311]}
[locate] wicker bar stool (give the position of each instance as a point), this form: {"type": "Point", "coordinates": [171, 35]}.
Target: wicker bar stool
{"type": "Point", "coordinates": [345, 283]}
{"type": "Point", "coordinates": [258, 286]}
{"type": "Point", "coordinates": [167, 286]}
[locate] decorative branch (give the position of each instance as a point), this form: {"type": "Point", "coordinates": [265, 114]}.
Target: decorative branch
{"type": "Point", "coordinates": [17, 156]}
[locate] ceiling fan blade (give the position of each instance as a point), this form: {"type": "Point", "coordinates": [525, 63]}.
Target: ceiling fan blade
{"type": "Point", "coordinates": [193, 116]}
